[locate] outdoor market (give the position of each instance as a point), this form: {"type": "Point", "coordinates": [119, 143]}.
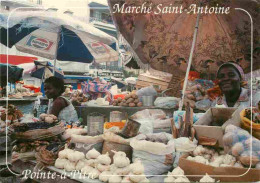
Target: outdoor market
{"type": "Point", "coordinates": [184, 108]}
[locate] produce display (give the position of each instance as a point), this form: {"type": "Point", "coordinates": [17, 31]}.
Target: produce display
{"type": "Point", "coordinates": [238, 141]}
{"type": "Point", "coordinates": [11, 113]}
{"type": "Point", "coordinates": [77, 98]}
{"type": "Point", "coordinates": [130, 100]}
{"type": "Point", "coordinates": [255, 115]}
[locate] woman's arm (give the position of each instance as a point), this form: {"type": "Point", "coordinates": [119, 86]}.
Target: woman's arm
{"type": "Point", "coordinates": [58, 104]}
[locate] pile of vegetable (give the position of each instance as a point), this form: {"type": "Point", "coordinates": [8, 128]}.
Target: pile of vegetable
{"type": "Point", "coordinates": [213, 158]}
{"type": "Point", "coordinates": [255, 115]}
{"type": "Point", "coordinates": [11, 113]}
{"type": "Point", "coordinates": [98, 166]}
{"type": "Point", "coordinates": [77, 97]}
{"type": "Point", "coordinates": [177, 175]}
{"type": "Point", "coordinates": [130, 100]}
{"type": "Point", "coordinates": [238, 141]}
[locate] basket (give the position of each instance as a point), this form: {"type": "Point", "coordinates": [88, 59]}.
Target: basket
{"type": "Point", "coordinates": [246, 124]}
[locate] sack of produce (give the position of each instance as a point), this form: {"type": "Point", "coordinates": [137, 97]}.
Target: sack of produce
{"type": "Point", "coordinates": [86, 143]}
{"type": "Point", "coordinates": [154, 151]}
{"type": "Point", "coordinates": [238, 143]}
{"type": "Point", "coordinates": [167, 102]}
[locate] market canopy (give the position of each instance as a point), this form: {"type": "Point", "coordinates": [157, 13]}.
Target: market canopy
{"type": "Point", "coordinates": [53, 36]}
{"type": "Point", "coordinates": [164, 40]}
{"type": "Point", "coordinates": [10, 72]}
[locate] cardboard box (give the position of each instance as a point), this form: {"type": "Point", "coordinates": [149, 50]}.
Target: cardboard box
{"type": "Point", "coordinates": [210, 125]}
{"type": "Point", "coordinates": [224, 174]}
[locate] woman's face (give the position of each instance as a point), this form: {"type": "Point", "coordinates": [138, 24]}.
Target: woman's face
{"type": "Point", "coordinates": [50, 91]}
{"type": "Point", "coordinates": [229, 79]}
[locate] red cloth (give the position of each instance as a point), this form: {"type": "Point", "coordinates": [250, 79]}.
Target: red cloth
{"type": "Point", "coordinates": [16, 60]}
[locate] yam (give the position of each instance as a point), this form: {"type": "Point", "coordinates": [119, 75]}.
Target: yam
{"type": "Point", "coordinates": [114, 104]}
{"type": "Point", "coordinates": [119, 99]}
{"type": "Point", "coordinates": [134, 96]}
{"type": "Point", "coordinates": [124, 101]}
{"type": "Point", "coordinates": [140, 104]}
{"type": "Point", "coordinates": [131, 104]}
{"type": "Point", "coordinates": [130, 100]}
{"type": "Point", "coordinates": [125, 104]}
{"type": "Point", "coordinates": [127, 97]}
{"type": "Point", "coordinates": [136, 101]}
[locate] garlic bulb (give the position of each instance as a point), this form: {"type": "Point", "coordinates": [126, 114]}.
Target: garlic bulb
{"type": "Point", "coordinates": [120, 160]}
{"type": "Point", "coordinates": [91, 162]}
{"type": "Point", "coordinates": [76, 156]}
{"type": "Point", "coordinates": [94, 174]}
{"type": "Point", "coordinates": [238, 164]}
{"type": "Point", "coordinates": [181, 179]}
{"type": "Point", "coordinates": [64, 153]}
{"type": "Point", "coordinates": [201, 159]}
{"type": "Point", "coordinates": [102, 167]}
{"type": "Point", "coordinates": [81, 163]}
{"type": "Point", "coordinates": [136, 178]}
{"type": "Point", "coordinates": [190, 158]}
{"type": "Point", "coordinates": [113, 167]}
{"type": "Point", "coordinates": [207, 178]}
{"type": "Point", "coordinates": [229, 160]}
{"type": "Point", "coordinates": [169, 179]}
{"type": "Point", "coordinates": [137, 168]}
{"type": "Point", "coordinates": [122, 171]}
{"type": "Point", "coordinates": [225, 165]}
{"type": "Point", "coordinates": [92, 154]}
{"type": "Point", "coordinates": [86, 169]}
{"type": "Point", "coordinates": [59, 163]}
{"type": "Point", "coordinates": [177, 171]}
{"type": "Point", "coordinates": [199, 150]}
{"type": "Point", "coordinates": [70, 166]}
{"type": "Point", "coordinates": [230, 128]}
{"type": "Point", "coordinates": [104, 159]}
{"type": "Point", "coordinates": [104, 176]}
{"type": "Point", "coordinates": [114, 179]}
{"type": "Point", "coordinates": [145, 180]}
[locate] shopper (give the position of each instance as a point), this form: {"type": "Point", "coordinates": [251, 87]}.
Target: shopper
{"type": "Point", "coordinates": [59, 106]}
{"type": "Point", "coordinates": [231, 76]}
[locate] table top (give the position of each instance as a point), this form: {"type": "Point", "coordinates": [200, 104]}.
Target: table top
{"type": "Point", "coordinates": [18, 99]}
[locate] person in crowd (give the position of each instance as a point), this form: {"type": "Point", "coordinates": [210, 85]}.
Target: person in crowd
{"type": "Point", "coordinates": [59, 106]}
{"type": "Point", "coordinates": [231, 77]}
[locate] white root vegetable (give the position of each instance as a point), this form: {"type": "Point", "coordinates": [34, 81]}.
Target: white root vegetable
{"type": "Point", "coordinates": [86, 169]}
{"type": "Point", "coordinates": [145, 180]}
{"type": "Point", "coordinates": [225, 165]}
{"type": "Point", "coordinates": [122, 171]}
{"type": "Point", "coordinates": [207, 178]}
{"type": "Point", "coordinates": [169, 180]}
{"type": "Point", "coordinates": [137, 168]}
{"type": "Point", "coordinates": [76, 156]}
{"type": "Point", "coordinates": [182, 179]}
{"type": "Point", "coordinates": [102, 167]}
{"type": "Point", "coordinates": [199, 150]}
{"type": "Point", "coordinates": [92, 154]}
{"type": "Point", "coordinates": [42, 116]}
{"type": "Point", "coordinates": [177, 171]}
{"type": "Point", "coordinates": [237, 149]}
{"type": "Point", "coordinates": [81, 163]}
{"type": "Point", "coordinates": [190, 158]}
{"type": "Point", "coordinates": [64, 153]}
{"type": "Point", "coordinates": [136, 178]}
{"type": "Point", "coordinates": [114, 179]}
{"type": "Point", "coordinates": [91, 162]}
{"type": "Point", "coordinates": [104, 176]}
{"type": "Point", "coordinates": [94, 174]}
{"type": "Point", "coordinates": [48, 119]}
{"type": "Point", "coordinates": [229, 160]}
{"type": "Point", "coordinates": [201, 159]}
{"type": "Point", "coordinates": [70, 166]}
{"type": "Point", "coordinates": [238, 164]}
{"type": "Point", "coordinates": [60, 163]}
{"type": "Point", "coordinates": [120, 160]}
{"type": "Point", "coordinates": [104, 159]}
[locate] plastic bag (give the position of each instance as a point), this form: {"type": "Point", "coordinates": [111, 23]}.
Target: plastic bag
{"type": "Point", "coordinates": [204, 104]}
{"type": "Point", "coordinates": [154, 150]}
{"type": "Point", "coordinates": [167, 102]}
{"type": "Point", "coordinates": [238, 143]}
{"type": "Point", "coordinates": [147, 91]}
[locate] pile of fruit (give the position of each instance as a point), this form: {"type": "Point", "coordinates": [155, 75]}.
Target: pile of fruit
{"type": "Point", "coordinates": [130, 100]}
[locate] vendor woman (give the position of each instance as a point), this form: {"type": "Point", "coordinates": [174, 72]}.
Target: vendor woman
{"type": "Point", "coordinates": [231, 76]}
{"type": "Point", "coordinates": [59, 106]}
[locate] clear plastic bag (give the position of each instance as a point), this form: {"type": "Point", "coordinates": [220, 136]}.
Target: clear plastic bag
{"type": "Point", "coordinates": [147, 91]}
{"type": "Point", "coordinates": [166, 102]}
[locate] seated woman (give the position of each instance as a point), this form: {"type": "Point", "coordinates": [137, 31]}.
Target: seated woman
{"type": "Point", "coordinates": [60, 106]}
{"type": "Point", "coordinates": [231, 76]}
